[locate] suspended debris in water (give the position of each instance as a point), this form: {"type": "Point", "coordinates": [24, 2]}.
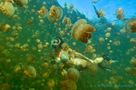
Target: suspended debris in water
{"type": "Point", "coordinates": [82, 31]}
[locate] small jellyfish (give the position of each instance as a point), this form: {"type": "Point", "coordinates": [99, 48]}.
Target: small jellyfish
{"type": "Point", "coordinates": [4, 27]}
{"type": "Point", "coordinates": [89, 48]}
{"type": "Point", "coordinates": [132, 25]}
{"type": "Point", "coordinates": [132, 40]}
{"type": "Point", "coordinates": [120, 13]}
{"type": "Point", "coordinates": [68, 85]}
{"type": "Point", "coordinates": [55, 13]}
{"type": "Point", "coordinates": [42, 12]}
{"type": "Point", "coordinates": [82, 31]}
{"type": "Point", "coordinates": [45, 74]}
{"type": "Point", "coordinates": [21, 3]}
{"type": "Point", "coordinates": [131, 70]}
{"type": "Point", "coordinates": [30, 71]}
{"type": "Point", "coordinates": [101, 13]}
{"type": "Point", "coordinates": [51, 84]}
{"type": "Point", "coordinates": [101, 40]}
{"type": "Point", "coordinates": [133, 61]}
{"type": "Point", "coordinates": [67, 21]}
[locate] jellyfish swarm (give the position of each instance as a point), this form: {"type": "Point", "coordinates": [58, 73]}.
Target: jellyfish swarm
{"type": "Point", "coordinates": [55, 13]}
{"type": "Point", "coordinates": [82, 31]}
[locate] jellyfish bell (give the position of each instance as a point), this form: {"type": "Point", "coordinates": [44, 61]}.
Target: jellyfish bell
{"type": "Point", "coordinates": [101, 13]}
{"type": "Point", "coordinates": [55, 13]}
{"type": "Point", "coordinates": [120, 13]}
{"type": "Point", "coordinates": [42, 12]}
{"type": "Point", "coordinates": [133, 61]}
{"type": "Point", "coordinates": [132, 25]}
{"type": "Point", "coordinates": [4, 27]}
{"type": "Point", "coordinates": [68, 85]}
{"type": "Point", "coordinates": [67, 21]}
{"type": "Point", "coordinates": [7, 8]}
{"type": "Point", "coordinates": [21, 3]}
{"type": "Point", "coordinates": [30, 71]}
{"type": "Point", "coordinates": [131, 70]}
{"type": "Point", "coordinates": [73, 74]}
{"type": "Point", "coordinates": [51, 84]}
{"type": "Point", "coordinates": [82, 31]}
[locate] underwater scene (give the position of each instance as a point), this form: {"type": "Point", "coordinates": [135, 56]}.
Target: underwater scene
{"type": "Point", "coordinates": [67, 45]}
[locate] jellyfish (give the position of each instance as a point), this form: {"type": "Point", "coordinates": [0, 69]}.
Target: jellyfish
{"type": "Point", "coordinates": [5, 27]}
{"type": "Point", "coordinates": [132, 25]}
{"type": "Point", "coordinates": [51, 84]}
{"type": "Point", "coordinates": [82, 31]}
{"type": "Point", "coordinates": [68, 85]}
{"type": "Point", "coordinates": [67, 21]}
{"type": "Point", "coordinates": [30, 71]}
{"type": "Point", "coordinates": [133, 61]}
{"type": "Point", "coordinates": [7, 8]}
{"type": "Point", "coordinates": [131, 70]}
{"type": "Point", "coordinates": [42, 12]}
{"type": "Point", "coordinates": [73, 74]}
{"type": "Point", "coordinates": [101, 13]}
{"type": "Point", "coordinates": [55, 13]}
{"type": "Point", "coordinates": [132, 40]}
{"type": "Point", "coordinates": [21, 3]}
{"type": "Point", "coordinates": [120, 13]}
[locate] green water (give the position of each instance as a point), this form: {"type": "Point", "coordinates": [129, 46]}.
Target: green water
{"type": "Point", "coordinates": [32, 31]}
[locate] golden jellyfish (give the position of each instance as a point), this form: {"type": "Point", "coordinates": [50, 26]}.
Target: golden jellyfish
{"type": "Point", "coordinates": [132, 40]}
{"type": "Point", "coordinates": [55, 13]}
{"type": "Point", "coordinates": [120, 13]}
{"type": "Point", "coordinates": [101, 13]}
{"type": "Point", "coordinates": [4, 27]}
{"type": "Point", "coordinates": [101, 40]}
{"type": "Point", "coordinates": [68, 85]}
{"type": "Point", "coordinates": [30, 71]}
{"type": "Point", "coordinates": [21, 3]}
{"type": "Point", "coordinates": [132, 25]}
{"type": "Point", "coordinates": [82, 31]}
{"type": "Point", "coordinates": [7, 8]}
{"type": "Point", "coordinates": [67, 21]}
{"type": "Point", "coordinates": [131, 70]}
{"type": "Point", "coordinates": [133, 61]}
{"type": "Point", "coordinates": [89, 48]}
{"type": "Point", "coordinates": [51, 84]}
{"type": "Point", "coordinates": [72, 74]}
{"type": "Point", "coordinates": [42, 12]}
{"type": "Point", "coordinates": [18, 68]}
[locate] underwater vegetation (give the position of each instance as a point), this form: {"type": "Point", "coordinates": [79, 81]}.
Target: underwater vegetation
{"type": "Point", "coordinates": [44, 46]}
